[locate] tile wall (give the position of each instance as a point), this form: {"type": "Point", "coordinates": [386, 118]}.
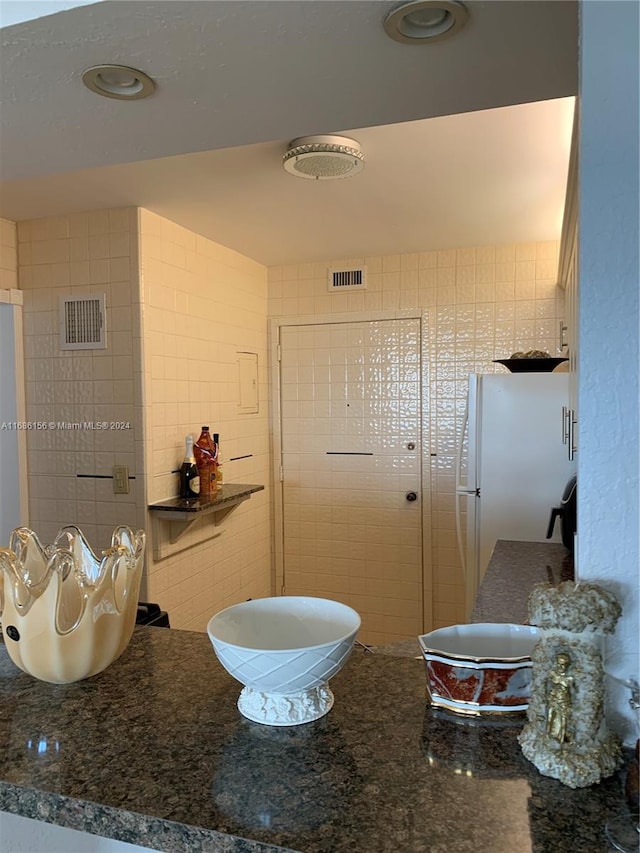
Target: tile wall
{"type": "Point", "coordinates": [70, 463]}
{"type": "Point", "coordinates": [202, 305]}
{"type": "Point", "coordinates": [8, 255]}
{"type": "Point", "coordinates": [483, 303]}
{"type": "Point", "coordinates": [179, 308]}
{"type": "Point", "coordinates": [174, 336]}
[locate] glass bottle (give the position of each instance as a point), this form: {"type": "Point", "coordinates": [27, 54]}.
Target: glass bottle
{"type": "Point", "coordinates": [189, 481]}
{"type": "Point", "coordinates": [205, 452]}
{"type": "Point", "coordinates": [216, 441]}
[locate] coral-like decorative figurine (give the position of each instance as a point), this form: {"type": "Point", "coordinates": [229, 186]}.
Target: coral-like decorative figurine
{"type": "Point", "coordinates": [66, 614]}
{"type": "Point", "coordinates": [579, 608]}
{"type": "Point", "coordinates": [566, 736]}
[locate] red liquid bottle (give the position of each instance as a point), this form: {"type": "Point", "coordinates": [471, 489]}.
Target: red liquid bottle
{"type": "Point", "coordinates": [206, 454]}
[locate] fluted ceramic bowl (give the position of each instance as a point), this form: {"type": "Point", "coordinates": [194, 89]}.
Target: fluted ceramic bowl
{"type": "Point", "coordinates": [482, 669]}
{"type": "Point", "coordinates": [67, 613]}
{"type": "Point", "coordinates": [284, 650]}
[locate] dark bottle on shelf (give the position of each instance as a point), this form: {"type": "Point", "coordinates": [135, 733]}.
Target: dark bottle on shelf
{"type": "Point", "coordinates": [216, 441]}
{"type": "Point", "coordinates": [189, 480]}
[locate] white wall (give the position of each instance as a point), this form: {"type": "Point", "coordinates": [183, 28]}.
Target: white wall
{"type": "Point", "coordinates": [202, 304]}
{"type": "Point", "coordinates": [9, 474]}
{"type": "Point", "coordinates": [608, 508]}
{"type": "Point", "coordinates": [13, 445]}
{"type": "Point", "coordinates": [179, 308]}
{"type": "Point", "coordinates": [80, 255]}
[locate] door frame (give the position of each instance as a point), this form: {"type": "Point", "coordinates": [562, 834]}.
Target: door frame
{"type": "Point", "coordinates": [427, 338]}
{"type": "Point", "coordinates": [14, 385]}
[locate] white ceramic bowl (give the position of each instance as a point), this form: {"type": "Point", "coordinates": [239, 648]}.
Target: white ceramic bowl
{"type": "Point", "coordinates": [480, 669]}
{"type": "Point", "coordinates": [284, 650]}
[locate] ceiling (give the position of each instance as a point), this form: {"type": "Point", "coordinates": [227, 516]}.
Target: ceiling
{"type": "Point", "coordinates": [466, 140]}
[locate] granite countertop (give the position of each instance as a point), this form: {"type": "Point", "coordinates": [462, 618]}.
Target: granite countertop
{"type": "Point", "coordinates": [154, 751]}
{"type": "Point", "coordinates": [229, 494]}
{"type": "Point", "coordinates": [513, 570]}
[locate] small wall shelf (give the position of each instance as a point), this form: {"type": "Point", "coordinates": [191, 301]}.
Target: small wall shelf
{"type": "Point", "coordinates": [178, 515]}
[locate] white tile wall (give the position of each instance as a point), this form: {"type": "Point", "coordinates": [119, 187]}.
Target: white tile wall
{"type": "Point", "coordinates": [196, 305]}
{"type": "Point", "coordinates": [201, 305]}
{"type": "Point", "coordinates": [8, 255]}
{"type": "Point", "coordinates": [77, 255]}
{"type": "Point", "coordinates": [486, 302]}
{"type": "Point", "coordinates": [179, 307]}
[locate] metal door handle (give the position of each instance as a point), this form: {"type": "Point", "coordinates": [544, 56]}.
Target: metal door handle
{"type": "Point", "coordinates": [566, 421]}
{"type": "Point", "coordinates": [563, 344]}
{"type": "Point", "coordinates": [411, 445]}
{"type": "Point", "coordinates": [411, 496]}
{"type": "Point", "coordinates": [572, 435]}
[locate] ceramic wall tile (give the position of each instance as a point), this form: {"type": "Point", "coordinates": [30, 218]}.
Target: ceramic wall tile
{"type": "Point", "coordinates": [188, 267]}
{"type": "Point", "coordinates": [203, 300]}
{"type": "Point", "coordinates": [62, 249]}
{"type": "Point", "coordinates": [481, 294]}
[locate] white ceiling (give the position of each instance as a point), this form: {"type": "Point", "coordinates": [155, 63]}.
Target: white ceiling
{"type": "Point", "coordinates": [17, 11]}
{"type": "Point", "coordinates": [445, 165]}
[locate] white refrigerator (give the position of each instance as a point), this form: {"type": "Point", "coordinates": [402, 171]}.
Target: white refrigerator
{"type": "Point", "coordinates": [511, 466]}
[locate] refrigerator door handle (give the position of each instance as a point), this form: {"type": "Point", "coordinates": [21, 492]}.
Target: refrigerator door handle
{"type": "Point", "coordinates": [469, 489]}
{"type": "Point", "coordinates": [469, 552]}
{"type": "Point", "coordinates": [461, 553]}
{"type": "Point", "coordinates": [460, 487]}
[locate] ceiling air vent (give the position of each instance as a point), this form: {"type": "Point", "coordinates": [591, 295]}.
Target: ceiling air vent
{"type": "Point", "coordinates": [82, 322]}
{"type": "Point", "coordinates": [354, 278]}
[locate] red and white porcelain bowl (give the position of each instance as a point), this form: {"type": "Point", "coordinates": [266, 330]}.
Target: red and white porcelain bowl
{"type": "Point", "coordinates": [480, 669]}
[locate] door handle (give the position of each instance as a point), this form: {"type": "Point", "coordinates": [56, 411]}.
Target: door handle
{"type": "Point", "coordinates": [566, 424]}
{"type": "Point", "coordinates": [562, 329]}
{"type": "Point", "coordinates": [571, 440]}
{"type": "Point", "coordinates": [411, 496]}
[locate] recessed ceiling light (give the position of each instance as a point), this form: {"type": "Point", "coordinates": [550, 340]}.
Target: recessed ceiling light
{"type": "Point", "coordinates": [322, 158]}
{"type": "Point", "coordinates": [118, 81]}
{"type": "Point", "coordinates": [425, 21]}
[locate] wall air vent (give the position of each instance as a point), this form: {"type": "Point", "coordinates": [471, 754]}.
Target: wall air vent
{"type": "Point", "coordinates": [352, 278]}
{"type": "Point", "coordinates": [82, 322]}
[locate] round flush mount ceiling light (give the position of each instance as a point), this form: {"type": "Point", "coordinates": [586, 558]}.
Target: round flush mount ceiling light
{"type": "Point", "coordinates": [425, 21]}
{"type": "Point", "coordinates": [323, 158]}
{"type": "Point", "coordinates": [118, 81]}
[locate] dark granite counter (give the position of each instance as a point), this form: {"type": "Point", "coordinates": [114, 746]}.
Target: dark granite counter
{"type": "Point", "coordinates": [154, 751]}
{"type": "Point", "coordinates": [513, 570]}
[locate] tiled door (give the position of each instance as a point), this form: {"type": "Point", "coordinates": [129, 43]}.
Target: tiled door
{"type": "Point", "coordinates": [350, 427]}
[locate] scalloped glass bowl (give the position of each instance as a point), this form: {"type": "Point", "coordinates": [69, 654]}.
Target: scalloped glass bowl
{"type": "Point", "coordinates": [66, 613]}
{"type": "Point", "coordinates": [284, 650]}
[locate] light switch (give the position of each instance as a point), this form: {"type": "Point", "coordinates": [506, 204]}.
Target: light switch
{"type": "Point", "coordinates": [120, 480]}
